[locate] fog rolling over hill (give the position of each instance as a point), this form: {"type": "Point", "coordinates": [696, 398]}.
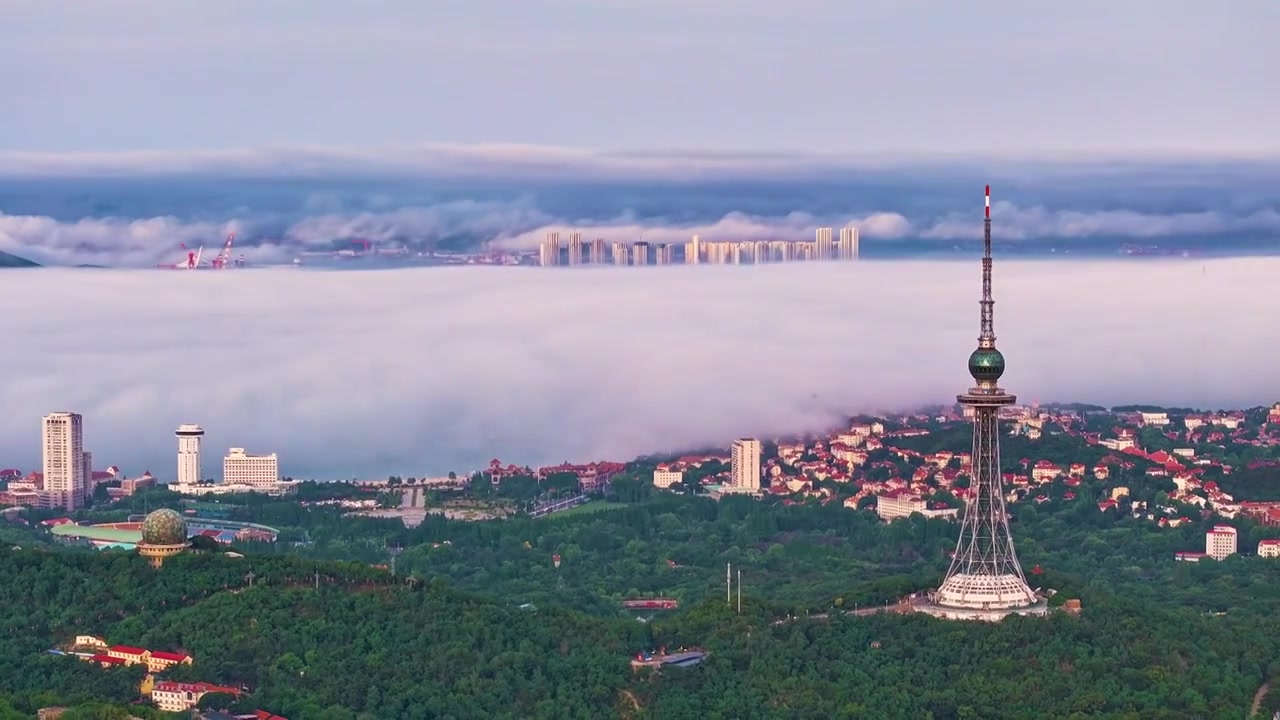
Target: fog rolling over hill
{"type": "Point", "coordinates": [430, 370]}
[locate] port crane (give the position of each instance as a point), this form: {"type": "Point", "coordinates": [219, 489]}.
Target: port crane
{"type": "Point", "coordinates": [224, 257]}
{"type": "Point", "coordinates": [195, 258]}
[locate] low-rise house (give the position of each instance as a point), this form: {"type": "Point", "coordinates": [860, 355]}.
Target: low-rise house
{"type": "Point", "coordinates": [179, 697]}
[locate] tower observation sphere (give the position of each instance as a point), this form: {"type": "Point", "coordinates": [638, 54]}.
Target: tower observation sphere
{"type": "Point", "coordinates": [986, 365]}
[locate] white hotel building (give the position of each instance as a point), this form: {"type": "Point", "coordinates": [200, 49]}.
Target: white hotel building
{"type": "Point", "coordinates": [1221, 542]}
{"type": "Point", "coordinates": [241, 468]}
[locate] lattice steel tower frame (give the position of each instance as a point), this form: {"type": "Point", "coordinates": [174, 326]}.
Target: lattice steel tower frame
{"type": "Point", "coordinates": [985, 575]}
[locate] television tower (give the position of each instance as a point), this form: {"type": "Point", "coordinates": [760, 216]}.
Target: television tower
{"type": "Point", "coordinates": [985, 581]}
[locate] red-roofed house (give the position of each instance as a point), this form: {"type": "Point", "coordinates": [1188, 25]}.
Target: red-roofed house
{"type": "Point", "coordinates": [179, 697]}
{"type": "Point", "coordinates": [1269, 548]}
{"type": "Point", "coordinates": [108, 661]}
{"type": "Point", "coordinates": [1045, 471]}
{"type": "Point", "coordinates": [130, 655]}
{"type": "Point", "coordinates": [161, 660]}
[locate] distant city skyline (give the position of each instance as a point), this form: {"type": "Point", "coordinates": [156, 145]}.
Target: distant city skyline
{"type": "Point", "coordinates": [579, 251]}
{"type": "Point", "coordinates": [812, 75]}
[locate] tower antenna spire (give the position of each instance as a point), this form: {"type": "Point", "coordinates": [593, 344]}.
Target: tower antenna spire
{"type": "Point", "coordinates": [987, 338]}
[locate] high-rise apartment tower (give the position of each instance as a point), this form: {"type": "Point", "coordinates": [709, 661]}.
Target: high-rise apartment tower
{"type": "Point", "coordinates": [822, 244]}
{"type": "Point", "coordinates": [62, 446]}
{"type": "Point", "coordinates": [744, 465]}
{"type": "Point", "coordinates": [848, 247]}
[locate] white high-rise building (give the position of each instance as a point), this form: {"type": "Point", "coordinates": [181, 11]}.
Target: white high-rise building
{"type": "Point", "coordinates": [575, 249]}
{"type": "Point", "coordinates": [1220, 542]}
{"type": "Point", "coordinates": [744, 461]}
{"type": "Point", "coordinates": [549, 251]}
{"type": "Point", "coordinates": [848, 243]}
{"type": "Point", "coordinates": [62, 444]}
{"type": "Point", "coordinates": [822, 244]}
{"type": "Point", "coordinates": [189, 470]}
{"type": "Point", "coordinates": [241, 468]}
{"type": "Point", "coordinates": [694, 256]}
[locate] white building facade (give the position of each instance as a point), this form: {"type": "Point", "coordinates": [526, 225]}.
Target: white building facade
{"type": "Point", "coordinates": [1220, 542]}
{"type": "Point", "coordinates": [241, 468]}
{"type": "Point", "coordinates": [189, 437]}
{"type": "Point", "coordinates": [900, 504]}
{"type": "Point", "coordinates": [664, 477]}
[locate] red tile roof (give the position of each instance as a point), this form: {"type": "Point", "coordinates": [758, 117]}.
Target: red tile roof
{"type": "Point", "coordinates": [126, 650]}
{"type": "Point", "coordinates": [194, 688]}
{"type": "Point", "coordinates": [171, 656]}
{"type": "Point", "coordinates": [107, 659]}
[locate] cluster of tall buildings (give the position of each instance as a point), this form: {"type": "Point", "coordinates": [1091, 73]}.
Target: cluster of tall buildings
{"type": "Point", "coordinates": [67, 480]}
{"type": "Point", "coordinates": [240, 470]}
{"type": "Point", "coordinates": [557, 251]}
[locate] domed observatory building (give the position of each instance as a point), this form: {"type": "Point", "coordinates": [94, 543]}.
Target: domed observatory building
{"type": "Point", "coordinates": [164, 534]}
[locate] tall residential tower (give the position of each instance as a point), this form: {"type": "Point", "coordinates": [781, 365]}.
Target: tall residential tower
{"type": "Point", "coordinates": [62, 445]}
{"type": "Point", "coordinates": [744, 465]}
{"type": "Point", "coordinates": [985, 581]}
{"type": "Point", "coordinates": [848, 243]}
{"type": "Point", "coordinates": [822, 244]}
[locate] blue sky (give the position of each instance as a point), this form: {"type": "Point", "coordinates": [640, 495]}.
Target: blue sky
{"type": "Point", "coordinates": [805, 75]}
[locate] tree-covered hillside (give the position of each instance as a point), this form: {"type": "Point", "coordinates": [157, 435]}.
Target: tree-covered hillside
{"type": "Point", "coordinates": [1156, 638]}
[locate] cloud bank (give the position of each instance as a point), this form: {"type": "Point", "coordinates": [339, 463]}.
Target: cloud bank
{"type": "Point", "coordinates": [520, 225]}
{"type": "Point", "coordinates": [429, 370]}
{"type": "Point", "coordinates": [136, 209]}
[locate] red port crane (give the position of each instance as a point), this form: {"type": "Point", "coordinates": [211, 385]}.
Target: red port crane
{"type": "Point", "coordinates": [224, 257]}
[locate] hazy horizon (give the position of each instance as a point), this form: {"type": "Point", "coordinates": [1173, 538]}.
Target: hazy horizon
{"type": "Point", "coordinates": [136, 210]}
{"type": "Point", "coordinates": [414, 372]}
